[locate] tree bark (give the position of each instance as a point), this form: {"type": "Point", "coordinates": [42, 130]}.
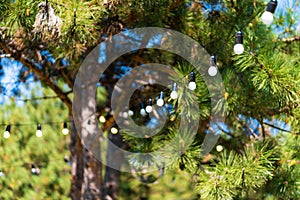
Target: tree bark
{"type": "Point", "coordinates": [110, 190]}
{"type": "Point", "coordinates": [76, 150]}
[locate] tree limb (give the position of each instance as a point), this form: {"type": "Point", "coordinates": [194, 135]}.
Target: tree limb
{"type": "Point", "coordinates": [31, 65]}
{"type": "Point", "coordinates": [280, 129]}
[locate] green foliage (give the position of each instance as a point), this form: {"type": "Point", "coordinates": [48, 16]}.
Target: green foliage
{"type": "Point", "coordinates": [23, 148]}
{"type": "Point", "coordinates": [285, 184]}
{"type": "Point", "coordinates": [262, 83]}
{"type": "Point", "coordinates": [236, 175]}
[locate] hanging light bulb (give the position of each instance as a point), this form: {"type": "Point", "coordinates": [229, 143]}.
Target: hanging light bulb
{"type": "Point", "coordinates": [130, 113]}
{"type": "Point", "coordinates": [160, 101]}
{"type": "Point", "coordinates": [35, 170]}
{"type": "Point", "coordinates": [174, 94]}
{"type": "Point", "coordinates": [102, 119]}
{"type": "Point", "coordinates": [65, 129]}
{"type": "Point", "coordinates": [39, 132]}
{"type": "Point", "coordinates": [6, 133]}
{"type": "Point", "coordinates": [238, 47]}
{"type": "Point", "coordinates": [213, 70]}
{"type": "Point", "coordinates": [114, 130]}
{"type": "Point", "coordinates": [149, 106]}
{"type": "Point", "coordinates": [192, 83]}
{"type": "Point", "coordinates": [125, 115]}
{"type": "Point", "coordinates": [219, 148]}
{"type": "Point", "coordinates": [267, 16]}
{"type": "Point", "coordinates": [143, 111]}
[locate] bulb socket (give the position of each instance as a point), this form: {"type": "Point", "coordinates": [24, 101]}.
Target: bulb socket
{"type": "Point", "coordinates": [174, 87]}
{"type": "Point", "coordinates": [192, 77]}
{"type": "Point", "coordinates": [239, 37]}
{"type": "Point", "coordinates": [150, 102]}
{"type": "Point", "coordinates": [213, 60]}
{"type": "Point", "coordinates": [65, 125]}
{"type": "Point", "coordinates": [161, 95]}
{"type": "Point", "coordinates": [7, 128]}
{"type": "Point", "coordinates": [39, 127]}
{"type": "Point", "coordinates": [271, 7]}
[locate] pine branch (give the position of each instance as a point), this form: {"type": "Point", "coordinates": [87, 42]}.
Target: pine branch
{"type": "Point", "coordinates": [43, 77]}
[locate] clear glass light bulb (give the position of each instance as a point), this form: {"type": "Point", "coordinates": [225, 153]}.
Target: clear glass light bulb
{"type": "Point", "coordinates": [130, 113]}
{"type": "Point", "coordinates": [174, 95]}
{"type": "Point", "coordinates": [143, 112]}
{"type": "Point", "coordinates": [219, 148]}
{"type": "Point", "coordinates": [267, 18]}
{"type": "Point", "coordinates": [33, 170]}
{"type": "Point", "coordinates": [160, 102]}
{"type": "Point", "coordinates": [149, 109]}
{"type": "Point", "coordinates": [114, 130]}
{"type": "Point", "coordinates": [102, 119]}
{"type": "Point", "coordinates": [65, 131]}
{"type": "Point", "coordinates": [212, 70]}
{"type": "Point", "coordinates": [6, 134]}
{"type": "Point", "coordinates": [192, 85]}
{"type": "Point", "coordinates": [39, 133]}
{"type": "Point", "coordinates": [125, 115]}
{"type": "Point", "coordinates": [238, 48]}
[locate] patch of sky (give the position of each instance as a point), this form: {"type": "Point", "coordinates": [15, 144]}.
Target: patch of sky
{"type": "Point", "coordinates": [48, 56]}
{"type": "Point", "coordinates": [102, 53]}
{"type": "Point", "coordinates": [10, 83]}
{"type": "Point", "coordinates": [282, 10]}
{"type": "Point", "coordinates": [154, 41]}
{"type": "Point", "coordinates": [277, 123]}
{"type": "Point", "coordinates": [253, 124]}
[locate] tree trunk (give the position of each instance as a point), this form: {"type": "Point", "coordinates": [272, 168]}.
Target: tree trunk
{"type": "Point", "coordinates": [112, 176]}
{"type": "Point", "coordinates": [86, 169]}
{"type": "Point", "coordinates": [76, 149]}
{"type": "Point", "coordinates": [92, 177]}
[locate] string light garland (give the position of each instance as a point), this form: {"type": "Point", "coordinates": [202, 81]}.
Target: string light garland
{"type": "Point", "coordinates": [267, 17]}
{"type": "Point", "coordinates": [38, 133]}
{"type": "Point", "coordinates": [212, 71]}
{"type": "Point", "coordinates": [173, 95]}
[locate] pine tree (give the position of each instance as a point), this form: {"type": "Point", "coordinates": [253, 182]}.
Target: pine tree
{"type": "Point", "coordinates": [261, 86]}
{"type": "Point", "coordinates": [33, 167]}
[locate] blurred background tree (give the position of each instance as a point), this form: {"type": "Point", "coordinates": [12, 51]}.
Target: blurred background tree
{"type": "Point", "coordinates": [261, 88]}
